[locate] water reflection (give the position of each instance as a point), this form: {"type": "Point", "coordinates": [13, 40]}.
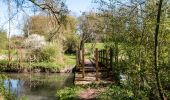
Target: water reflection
{"type": "Point", "coordinates": [37, 86]}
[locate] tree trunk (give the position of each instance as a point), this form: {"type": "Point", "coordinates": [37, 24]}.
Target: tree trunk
{"type": "Point", "coordinates": [159, 86]}
{"type": "Point", "coordinates": [9, 33]}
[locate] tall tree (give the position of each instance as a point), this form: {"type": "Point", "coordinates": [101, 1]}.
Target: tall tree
{"type": "Point", "coordinates": [161, 93]}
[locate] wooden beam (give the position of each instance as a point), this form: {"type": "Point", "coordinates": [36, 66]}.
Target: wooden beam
{"type": "Point", "coordinates": [111, 58]}
{"type": "Point", "coordinates": [77, 58]}
{"type": "Point", "coordinates": [83, 72]}
{"type": "Point", "coordinates": [97, 66]}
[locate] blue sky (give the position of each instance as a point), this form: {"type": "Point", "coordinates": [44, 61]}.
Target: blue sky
{"type": "Point", "coordinates": [79, 6]}
{"type": "Point", "coordinates": [75, 6]}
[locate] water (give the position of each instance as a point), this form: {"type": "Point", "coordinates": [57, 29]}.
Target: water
{"type": "Point", "coordinates": [37, 86]}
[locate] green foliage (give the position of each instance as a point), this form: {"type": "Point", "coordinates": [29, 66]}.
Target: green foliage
{"type": "Point", "coordinates": [130, 34]}
{"type": "Point", "coordinates": [94, 45]}
{"type": "Point", "coordinates": [90, 48]}
{"type": "Point", "coordinates": [116, 93]}
{"type": "Point", "coordinates": [49, 52]}
{"type": "Point", "coordinates": [14, 66]}
{"type": "Point", "coordinates": [68, 93]}
{"type": "Point", "coordinates": [51, 66]}
{"type": "Point", "coordinates": [71, 43]}
{"type": "Point", "coordinates": [47, 65]}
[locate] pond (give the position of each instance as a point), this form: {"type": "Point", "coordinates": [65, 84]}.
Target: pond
{"type": "Point", "coordinates": [41, 86]}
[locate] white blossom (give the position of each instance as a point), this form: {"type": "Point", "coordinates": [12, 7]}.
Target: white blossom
{"type": "Point", "coordinates": [34, 42]}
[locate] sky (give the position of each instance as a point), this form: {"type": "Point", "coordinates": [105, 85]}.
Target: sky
{"type": "Point", "coordinates": [79, 6]}
{"type": "Point", "coordinates": [76, 7]}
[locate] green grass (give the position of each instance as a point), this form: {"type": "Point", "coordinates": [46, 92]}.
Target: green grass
{"type": "Point", "coordinates": [5, 51]}
{"type": "Point", "coordinates": [69, 59]}
{"type": "Point", "coordinates": [68, 93]}
{"type": "Point", "coordinates": [47, 65]}
{"type": "Point", "coordinates": [89, 49]}
{"type": "Point", "coordinates": [97, 45]}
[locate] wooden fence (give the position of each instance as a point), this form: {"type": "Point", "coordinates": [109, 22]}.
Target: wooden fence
{"type": "Point", "coordinates": [105, 58]}
{"type": "Point", "coordinates": [102, 58]}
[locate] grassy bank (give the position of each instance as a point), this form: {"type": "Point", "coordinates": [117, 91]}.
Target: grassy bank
{"type": "Point", "coordinates": [15, 66]}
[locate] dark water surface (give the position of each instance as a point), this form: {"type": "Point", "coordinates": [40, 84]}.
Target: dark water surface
{"type": "Point", "coordinates": [37, 86]}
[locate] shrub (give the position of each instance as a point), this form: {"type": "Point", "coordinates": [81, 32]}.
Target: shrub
{"type": "Point", "coordinates": [70, 44]}
{"type": "Point", "coordinates": [49, 52]}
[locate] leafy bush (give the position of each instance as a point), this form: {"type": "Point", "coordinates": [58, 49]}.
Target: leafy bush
{"type": "Point", "coordinates": [41, 51]}
{"type": "Point", "coordinates": [49, 52]}
{"type": "Point", "coordinates": [70, 44]}
{"type": "Point", "coordinates": [116, 93]}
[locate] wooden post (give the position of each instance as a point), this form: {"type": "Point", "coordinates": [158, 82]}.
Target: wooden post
{"type": "Point", "coordinates": [106, 58]}
{"type": "Point", "coordinates": [20, 58]}
{"type": "Point", "coordinates": [107, 64]}
{"type": "Point", "coordinates": [111, 58]}
{"type": "Point", "coordinates": [97, 66]}
{"type": "Point", "coordinates": [83, 72]}
{"type": "Point", "coordinates": [99, 55]}
{"type": "Point", "coordinates": [77, 58]}
{"type": "Point", "coordinates": [102, 57]}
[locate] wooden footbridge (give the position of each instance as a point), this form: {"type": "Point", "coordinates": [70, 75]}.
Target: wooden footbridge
{"type": "Point", "coordinates": [97, 70]}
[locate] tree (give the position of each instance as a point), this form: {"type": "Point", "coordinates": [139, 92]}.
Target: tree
{"type": "Point", "coordinates": [161, 93]}
{"type": "Point", "coordinates": [90, 28]}
{"type": "Point", "coordinates": [129, 28]}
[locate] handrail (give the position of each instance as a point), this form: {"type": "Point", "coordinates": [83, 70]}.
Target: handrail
{"type": "Point", "coordinates": [106, 57]}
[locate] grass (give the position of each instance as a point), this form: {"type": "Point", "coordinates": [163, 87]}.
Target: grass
{"type": "Point", "coordinates": [69, 59]}
{"type": "Point", "coordinates": [69, 93]}
{"type": "Point", "coordinates": [5, 51]}
{"type": "Point", "coordinates": [98, 45]}
{"type": "Point", "coordinates": [89, 49]}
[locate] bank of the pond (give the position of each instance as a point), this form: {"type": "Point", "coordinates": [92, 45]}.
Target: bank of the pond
{"type": "Point", "coordinates": [49, 67]}
{"type": "Point", "coordinates": [37, 67]}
